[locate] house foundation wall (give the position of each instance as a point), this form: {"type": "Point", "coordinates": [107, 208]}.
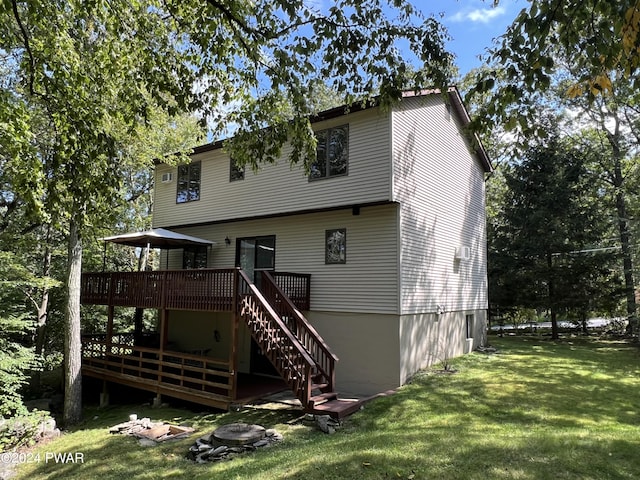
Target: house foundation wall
{"type": "Point", "coordinates": [202, 333]}
{"type": "Point", "coordinates": [367, 347]}
{"type": "Point", "coordinates": [195, 332]}
{"type": "Point", "coordinates": [430, 338]}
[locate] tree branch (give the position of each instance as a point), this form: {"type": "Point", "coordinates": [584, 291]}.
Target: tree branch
{"type": "Point", "coordinates": [231, 17]}
{"type": "Point", "coordinates": [27, 46]}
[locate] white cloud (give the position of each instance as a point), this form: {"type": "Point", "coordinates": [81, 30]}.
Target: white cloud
{"type": "Point", "coordinates": [479, 15]}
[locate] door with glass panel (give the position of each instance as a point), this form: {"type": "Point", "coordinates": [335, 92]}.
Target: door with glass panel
{"type": "Point", "coordinates": [255, 255]}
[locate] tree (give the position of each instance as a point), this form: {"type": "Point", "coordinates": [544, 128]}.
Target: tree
{"type": "Point", "coordinates": [567, 53]}
{"type": "Point", "coordinates": [601, 39]}
{"type": "Point", "coordinates": [89, 69]}
{"type": "Point", "coordinates": [539, 241]}
{"type": "Point", "coordinates": [611, 131]}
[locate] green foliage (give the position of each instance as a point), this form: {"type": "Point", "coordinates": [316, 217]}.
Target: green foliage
{"type": "Point", "coordinates": [21, 430]}
{"type": "Point", "coordinates": [543, 243]}
{"type": "Point", "coordinates": [16, 359]}
{"type": "Point", "coordinates": [598, 41]}
{"type": "Point", "coordinates": [15, 363]}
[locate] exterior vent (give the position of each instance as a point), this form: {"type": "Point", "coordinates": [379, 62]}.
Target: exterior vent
{"type": "Point", "coordinates": [167, 177]}
{"type": "Point", "coordinates": [463, 253]}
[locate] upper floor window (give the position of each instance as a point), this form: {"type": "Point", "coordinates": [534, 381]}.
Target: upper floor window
{"type": "Point", "coordinates": [236, 172]}
{"type": "Point", "coordinates": [332, 153]}
{"type": "Point", "coordinates": [188, 183]}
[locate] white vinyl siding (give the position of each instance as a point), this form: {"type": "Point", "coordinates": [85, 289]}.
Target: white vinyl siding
{"type": "Point", "coordinates": [440, 186]}
{"type": "Point", "coordinates": [278, 188]}
{"type": "Point", "coordinates": [367, 282]}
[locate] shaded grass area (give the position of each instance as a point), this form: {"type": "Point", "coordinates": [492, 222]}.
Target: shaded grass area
{"type": "Point", "coordinates": [536, 409]}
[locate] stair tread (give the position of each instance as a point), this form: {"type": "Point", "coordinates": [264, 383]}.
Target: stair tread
{"type": "Point", "coordinates": [337, 408]}
{"type": "Point", "coordinates": [324, 396]}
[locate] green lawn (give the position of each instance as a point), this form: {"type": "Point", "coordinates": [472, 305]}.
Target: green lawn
{"type": "Point", "coordinates": [535, 410]}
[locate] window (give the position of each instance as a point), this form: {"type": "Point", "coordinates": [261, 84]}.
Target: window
{"type": "Point", "coordinates": [194, 257]}
{"type": "Point", "coordinates": [236, 172]}
{"type": "Point", "coordinates": [470, 326]}
{"type": "Point", "coordinates": [188, 183]}
{"type": "Point", "coordinates": [332, 153]}
{"type": "Point", "coordinates": [335, 246]}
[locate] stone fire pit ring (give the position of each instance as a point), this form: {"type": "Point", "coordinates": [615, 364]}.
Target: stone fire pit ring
{"type": "Point", "coordinates": [232, 440]}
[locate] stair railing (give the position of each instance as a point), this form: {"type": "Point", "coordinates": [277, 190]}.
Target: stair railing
{"type": "Point", "coordinates": [277, 342]}
{"type": "Point", "coordinates": [322, 355]}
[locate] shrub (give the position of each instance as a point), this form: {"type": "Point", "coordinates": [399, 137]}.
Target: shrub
{"type": "Point", "coordinates": [24, 430]}
{"type": "Point", "coordinates": [16, 361]}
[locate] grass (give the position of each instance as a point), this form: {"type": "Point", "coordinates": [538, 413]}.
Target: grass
{"type": "Point", "coordinates": [537, 409]}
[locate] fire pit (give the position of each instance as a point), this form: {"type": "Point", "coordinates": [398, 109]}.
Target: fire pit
{"type": "Point", "coordinates": [231, 440]}
{"type": "Point", "coordinates": [239, 434]}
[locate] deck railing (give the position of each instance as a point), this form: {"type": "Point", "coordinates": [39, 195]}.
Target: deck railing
{"type": "Point", "coordinates": [297, 286]}
{"type": "Point", "coordinates": [198, 289]}
{"type": "Point", "coordinates": [187, 376]}
{"type": "Point", "coordinates": [291, 344]}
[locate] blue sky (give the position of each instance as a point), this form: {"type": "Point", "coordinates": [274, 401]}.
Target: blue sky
{"type": "Point", "coordinates": [472, 24]}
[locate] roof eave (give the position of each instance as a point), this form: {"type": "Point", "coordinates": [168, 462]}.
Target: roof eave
{"type": "Point", "coordinates": [454, 96]}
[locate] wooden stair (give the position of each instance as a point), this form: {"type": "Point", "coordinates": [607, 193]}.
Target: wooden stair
{"type": "Point", "coordinates": [293, 346]}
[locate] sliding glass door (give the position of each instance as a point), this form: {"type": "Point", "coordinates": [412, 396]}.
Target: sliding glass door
{"type": "Point", "coordinates": [256, 254]}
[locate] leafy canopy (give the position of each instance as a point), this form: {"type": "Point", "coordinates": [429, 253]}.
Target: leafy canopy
{"type": "Point", "coordinates": [84, 67]}
{"type": "Point", "coordinates": [599, 41]}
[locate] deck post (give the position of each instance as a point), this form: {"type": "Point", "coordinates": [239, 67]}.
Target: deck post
{"type": "Point", "coordinates": [104, 396]}
{"type": "Point", "coordinates": [233, 351]}
{"type": "Point", "coordinates": [109, 339]}
{"type": "Point", "coordinates": [137, 322]}
{"type": "Point", "coordinates": [163, 340]}
{"type": "Point", "coordinates": [163, 330]}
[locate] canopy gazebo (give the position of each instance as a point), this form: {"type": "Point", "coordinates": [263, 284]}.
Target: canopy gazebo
{"type": "Point", "coordinates": [158, 238]}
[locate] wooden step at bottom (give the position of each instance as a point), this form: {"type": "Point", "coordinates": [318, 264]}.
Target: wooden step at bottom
{"type": "Point", "coordinates": [337, 408]}
{"type": "Point", "coordinates": [322, 398]}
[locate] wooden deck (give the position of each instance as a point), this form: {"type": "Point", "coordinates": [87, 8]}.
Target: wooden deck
{"type": "Point", "coordinates": [272, 313]}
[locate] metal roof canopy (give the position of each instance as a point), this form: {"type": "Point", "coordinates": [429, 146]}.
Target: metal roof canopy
{"type": "Point", "coordinates": [158, 238]}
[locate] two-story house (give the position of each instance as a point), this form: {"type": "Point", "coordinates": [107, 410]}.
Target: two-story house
{"type": "Point", "coordinates": [376, 258]}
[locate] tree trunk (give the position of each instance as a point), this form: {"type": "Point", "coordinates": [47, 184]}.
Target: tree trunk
{"type": "Point", "coordinates": [42, 321]}
{"type": "Point", "coordinates": [40, 335]}
{"type": "Point", "coordinates": [43, 309]}
{"type": "Point", "coordinates": [554, 324]}
{"type": "Point", "coordinates": [42, 312]}
{"type": "Point", "coordinates": [72, 344]}
{"type": "Point", "coordinates": [623, 228]}
{"type": "Point", "coordinates": [552, 297]}
{"type": "Point", "coordinates": [627, 262]}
